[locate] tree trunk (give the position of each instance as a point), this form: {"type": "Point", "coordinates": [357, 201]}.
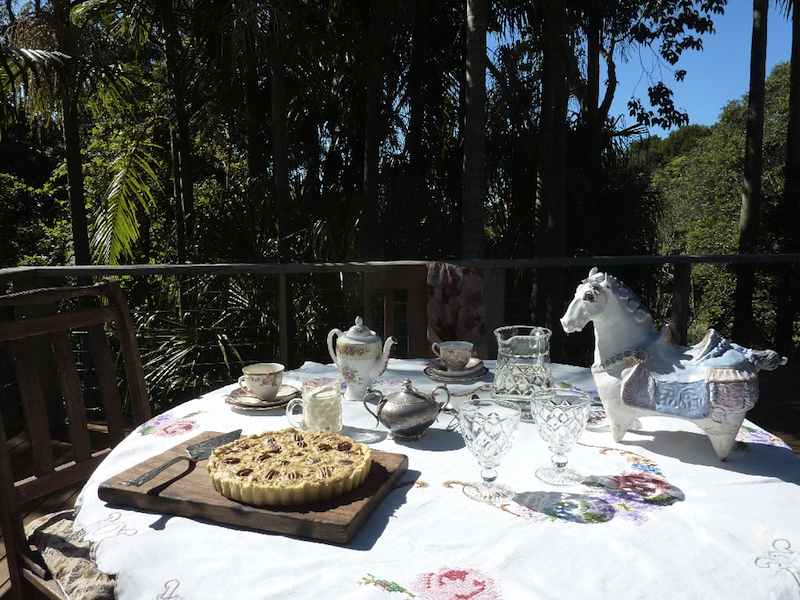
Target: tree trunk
{"type": "Point", "coordinates": [412, 209]}
{"type": "Point", "coordinates": [552, 233]}
{"type": "Point", "coordinates": [372, 227]}
{"type": "Point", "coordinates": [71, 131]}
{"type": "Point", "coordinates": [280, 152]}
{"type": "Point", "coordinates": [256, 144]}
{"type": "Point", "coordinates": [789, 291]}
{"type": "Point", "coordinates": [182, 144]}
{"type": "Point", "coordinates": [751, 191]}
{"type": "Point", "coordinates": [180, 221]}
{"type": "Point", "coordinates": [473, 189]}
{"type": "Point", "coordinates": [593, 117]}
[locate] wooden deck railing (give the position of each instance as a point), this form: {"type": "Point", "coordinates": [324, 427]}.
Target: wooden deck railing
{"type": "Point", "coordinates": [680, 289]}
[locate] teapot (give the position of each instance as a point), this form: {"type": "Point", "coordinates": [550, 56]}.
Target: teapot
{"type": "Point", "coordinates": [408, 413]}
{"type": "Point", "coordinates": [359, 357]}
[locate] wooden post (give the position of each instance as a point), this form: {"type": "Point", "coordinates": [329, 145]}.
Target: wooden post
{"type": "Point", "coordinates": [681, 288]}
{"type": "Point", "coordinates": [283, 320]}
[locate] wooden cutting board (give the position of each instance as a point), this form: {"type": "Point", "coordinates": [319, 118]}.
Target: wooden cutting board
{"type": "Point", "coordinates": [194, 496]}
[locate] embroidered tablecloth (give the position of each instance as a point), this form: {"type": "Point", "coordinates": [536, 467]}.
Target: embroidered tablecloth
{"type": "Point", "coordinates": [659, 517]}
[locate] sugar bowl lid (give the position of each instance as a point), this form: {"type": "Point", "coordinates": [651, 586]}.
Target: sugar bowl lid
{"type": "Point", "coordinates": [361, 333]}
{"type": "Point", "coordinates": [408, 392]}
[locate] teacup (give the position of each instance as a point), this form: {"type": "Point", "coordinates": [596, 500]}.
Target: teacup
{"type": "Point", "coordinates": [322, 409]}
{"type": "Point", "coordinates": [454, 355]}
{"type": "Point", "coordinates": [262, 380]}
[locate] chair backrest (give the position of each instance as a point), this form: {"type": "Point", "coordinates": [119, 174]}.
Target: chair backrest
{"type": "Point", "coordinates": [38, 338]}
{"type": "Point", "coordinates": [95, 307]}
{"type": "Point", "coordinates": [395, 303]}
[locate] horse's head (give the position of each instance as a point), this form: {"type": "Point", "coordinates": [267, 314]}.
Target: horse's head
{"type": "Point", "coordinates": [590, 300]}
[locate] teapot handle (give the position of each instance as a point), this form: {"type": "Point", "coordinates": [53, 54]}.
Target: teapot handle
{"type": "Point", "coordinates": [447, 394]}
{"type": "Point", "coordinates": [381, 404]}
{"type": "Point", "coordinates": [331, 351]}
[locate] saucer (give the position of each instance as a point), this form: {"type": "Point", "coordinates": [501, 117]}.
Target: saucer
{"type": "Point", "coordinates": [241, 399]}
{"type": "Point", "coordinates": [475, 365]}
{"type": "Point", "coordinates": [470, 377]}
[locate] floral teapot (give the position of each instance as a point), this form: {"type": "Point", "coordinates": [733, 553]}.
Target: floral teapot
{"type": "Point", "coordinates": [359, 357]}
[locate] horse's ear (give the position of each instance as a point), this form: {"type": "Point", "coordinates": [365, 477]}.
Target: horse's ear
{"type": "Point", "coordinates": [593, 272]}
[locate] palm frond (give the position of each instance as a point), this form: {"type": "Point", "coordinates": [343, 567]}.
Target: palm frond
{"type": "Point", "coordinates": [132, 186]}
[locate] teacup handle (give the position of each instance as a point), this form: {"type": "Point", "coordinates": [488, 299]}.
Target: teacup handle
{"type": "Point", "coordinates": [290, 415]}
{"type": "Point", "coordinates": [436, 350]}
{"type": "Point", "coordinates": [242, 385]}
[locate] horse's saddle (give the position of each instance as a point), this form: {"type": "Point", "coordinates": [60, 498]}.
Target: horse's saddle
{"type": "Point", "coordinates": [691, 382]}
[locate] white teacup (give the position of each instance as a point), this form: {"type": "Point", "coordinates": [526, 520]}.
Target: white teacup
{"type": "Point", "coordinates": [322, 409]}
{"type": "Point", "coordinates": [262, 380]}
{"type": "Point", "coordinates": [454, 355]}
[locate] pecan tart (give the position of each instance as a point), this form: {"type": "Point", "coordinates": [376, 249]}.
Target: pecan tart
{"type": "Point", "coordinates": [288, 467]}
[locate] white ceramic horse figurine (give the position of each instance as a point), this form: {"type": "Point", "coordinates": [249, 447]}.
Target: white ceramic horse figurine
{"type": "Point", "coordinates": [639, 371]}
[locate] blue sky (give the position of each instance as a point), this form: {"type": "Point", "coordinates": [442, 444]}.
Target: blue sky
{"type": "Point", "coordinates": [716, 75]}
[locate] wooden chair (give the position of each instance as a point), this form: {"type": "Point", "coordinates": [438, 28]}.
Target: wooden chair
{"type": "Point", "coordinates": [96, 306]}
{"type": "Point", "coordinates": [395, 303]}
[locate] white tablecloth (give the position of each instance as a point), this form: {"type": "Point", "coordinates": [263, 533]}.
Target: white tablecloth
{"type": "Point", "coordinates": [715, 530]}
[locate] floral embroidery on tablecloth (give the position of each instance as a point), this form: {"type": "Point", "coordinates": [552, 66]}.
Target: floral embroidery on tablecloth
{"type": "Point", "coordinates": [783, 558]}
{"type": "Point", "coordinates": [169, 425]}
{"type": "Point", "coordinates": [455, 584]}
{"type": "Point", "coordinates": [752, 435]}
{"type": "Point", "coordinates": [445, 584]}
{"type": "Point", "coordinates": [631, 495]}
{"type": "Point", "coordinates": [385, 585]}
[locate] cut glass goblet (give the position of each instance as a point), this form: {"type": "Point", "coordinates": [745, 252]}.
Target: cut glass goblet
{"type": "Point", "coordinates": [488, 428]}
{"type": "Point", "coordinates": [560, 415]}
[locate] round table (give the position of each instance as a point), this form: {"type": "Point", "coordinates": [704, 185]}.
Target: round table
{"type": "Point", "coordinates": [663, 519]}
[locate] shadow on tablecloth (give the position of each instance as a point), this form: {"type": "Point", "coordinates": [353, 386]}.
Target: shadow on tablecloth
{"type": "Point", "coordinates": [748, 458]}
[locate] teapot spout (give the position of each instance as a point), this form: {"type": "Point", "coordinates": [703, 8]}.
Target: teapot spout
{"type": "Point", "coordinates": [383, 361]}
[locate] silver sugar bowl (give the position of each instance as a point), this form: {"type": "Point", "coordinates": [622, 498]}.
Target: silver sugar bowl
{"type": "Point", "coordinates": [407, 414]}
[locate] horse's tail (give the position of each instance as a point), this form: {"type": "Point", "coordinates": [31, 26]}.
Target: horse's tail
{"type": "Point", "coordinates": [767, 360]}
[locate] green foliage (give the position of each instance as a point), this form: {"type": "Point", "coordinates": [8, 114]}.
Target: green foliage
{"type": "Point", "coordinates": [700, 189]}
{"type": "Point", "coordinates": [33, 229]}
{"type": "Point", "coordinates": [131, 190]}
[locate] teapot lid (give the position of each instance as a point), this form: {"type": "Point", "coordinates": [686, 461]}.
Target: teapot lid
{"type": "Point", "coordinates": [361, 332]}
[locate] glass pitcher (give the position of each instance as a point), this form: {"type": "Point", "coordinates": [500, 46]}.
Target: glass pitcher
{"type": "Point", "coordinates": [523, 364]}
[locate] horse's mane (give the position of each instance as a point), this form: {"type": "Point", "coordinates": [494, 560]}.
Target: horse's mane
{"type": "Point", "coordinates": [628, 298]}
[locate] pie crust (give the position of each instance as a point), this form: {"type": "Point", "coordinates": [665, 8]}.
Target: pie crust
{"type": "Point", "coordinates": [288, 467]}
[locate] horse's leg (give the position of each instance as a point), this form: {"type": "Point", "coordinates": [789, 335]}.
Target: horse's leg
{"type": "Point", "coordinates": [723, 434]}
{"type": "Point", "coordinates": [620, 417]}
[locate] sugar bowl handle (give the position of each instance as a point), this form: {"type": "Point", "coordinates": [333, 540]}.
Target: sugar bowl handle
{"type": "Point", "coordinates": [444, 389]}
{"type": "Point", "coordinates": [381, 404]}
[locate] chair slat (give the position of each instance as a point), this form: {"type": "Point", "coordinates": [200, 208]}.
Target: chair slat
{"type": "Point", "coordinates": [33, 488]}
{"type": "Point", "coordinates": [25, 328]}
{"type": "Point", "coordinates": [51, 295]}
{"type": "Point", "coordinates": [137, 389]}
{"type": "Point", "coordinates": [73, 399]}
{"type": "Point", "coordinates": [107, 382]}
{"type": "Point", "coordinates": [34, 407]}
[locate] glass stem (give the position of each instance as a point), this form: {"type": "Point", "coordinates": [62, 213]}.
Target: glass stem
{"type": "Point", "coordinates": [489, 476]}
{"type": "Point", "coordinates": [559, 461]}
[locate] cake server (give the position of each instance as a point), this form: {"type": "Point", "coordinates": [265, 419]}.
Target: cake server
{"type": "Point", "coordinates": [195, 453]}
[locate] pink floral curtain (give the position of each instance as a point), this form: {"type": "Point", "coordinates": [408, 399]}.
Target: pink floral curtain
{"type": "Point", "coordinates": [455, 304]}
